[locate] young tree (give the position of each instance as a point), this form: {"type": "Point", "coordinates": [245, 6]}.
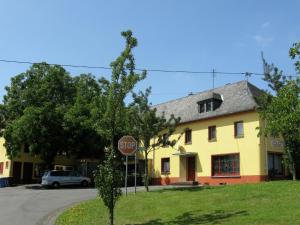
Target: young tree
{"type": "Point", "coordinates": [148, 126]}
{"type": "Point", "coordinates": [123, 80]}
{"type": "Point", "coordinates": [281, 112]}
{"type": "Point", "coordinates": [33, 111]}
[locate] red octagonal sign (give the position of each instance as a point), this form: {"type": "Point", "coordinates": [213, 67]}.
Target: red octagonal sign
{"type": "Point", "coordinates": [127, 145]}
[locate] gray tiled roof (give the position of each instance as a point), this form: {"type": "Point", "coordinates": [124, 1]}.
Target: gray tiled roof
{"type": "Point", "coordinates": [237, 97]}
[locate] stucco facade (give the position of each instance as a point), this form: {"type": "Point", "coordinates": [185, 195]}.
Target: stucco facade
{"type": "Point", "coordinates": [247, 158]}
{"type": "Point", "coordinates": [252, 150]}
{"type": "Point", "coordinates": [27, 168]}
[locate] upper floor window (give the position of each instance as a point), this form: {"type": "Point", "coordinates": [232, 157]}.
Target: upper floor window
{"type": "Point", "coordinates": [239, 129]}
{"type": "Point", "coordinates": [212, 133]}
{"type": "Point", "coordinates": [26, 148]}
{"type": "Point", "coordinates": [205, 106]}
{"type": "Point", "coordinates": [188, 136]}
{"type": "Point", "coordinates": [213, 102]}
{"type": "Point", "coordinates": [165, 165]}
{"type": "Point", "coordinates": [165, 140]}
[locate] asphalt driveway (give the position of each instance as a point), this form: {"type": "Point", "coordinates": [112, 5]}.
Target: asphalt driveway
{"type": "Point", "coordinates": [33, 205]}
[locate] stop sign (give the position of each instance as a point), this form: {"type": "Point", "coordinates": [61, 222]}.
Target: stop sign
{"type": "Point", "coordinates": [127, 145]}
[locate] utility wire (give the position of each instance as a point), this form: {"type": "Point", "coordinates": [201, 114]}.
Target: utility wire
{"type": "Point", "coordinates": [150, 70]}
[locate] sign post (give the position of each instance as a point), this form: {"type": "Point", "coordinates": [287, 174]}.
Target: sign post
{"type": "Point", "coordinates": [127, 145]}
{"type": "Point", "coordinates": [135, 174]}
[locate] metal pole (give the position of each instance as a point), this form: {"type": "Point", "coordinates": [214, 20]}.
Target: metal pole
{"type": "Point", "coordinates": [126, 175]}
{"type": "Point", "coordinates": [135, 174]}
{"type": "Point", "coordinates": [213, 76]}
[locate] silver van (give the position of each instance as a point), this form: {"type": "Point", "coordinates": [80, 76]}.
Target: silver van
{"type": "Point", "coordinates": [57, 178]}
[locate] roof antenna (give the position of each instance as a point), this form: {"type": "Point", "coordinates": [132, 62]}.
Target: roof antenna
{"type": "Point", "coordinates": [247, 75]}
{"type": "Point", "coordinates": [213, 77]}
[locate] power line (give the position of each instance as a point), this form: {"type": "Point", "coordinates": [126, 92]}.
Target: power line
{"type": "Point", "coordinates": [137, 69]}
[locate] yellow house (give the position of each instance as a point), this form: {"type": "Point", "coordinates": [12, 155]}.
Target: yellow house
{"type": "Point", "coordinates": [219, 141]}
{"type": "Point", "coordinates": [27, 168]}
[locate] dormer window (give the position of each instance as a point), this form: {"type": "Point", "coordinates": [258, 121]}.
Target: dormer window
{"type": "Point", "coordinates": [201, 107]}
{"type": "Point", "coordinates": [210, 104]}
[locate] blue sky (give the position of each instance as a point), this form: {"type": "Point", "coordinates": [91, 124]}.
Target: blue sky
{"type": "Point", "coordinates": [174, 35]}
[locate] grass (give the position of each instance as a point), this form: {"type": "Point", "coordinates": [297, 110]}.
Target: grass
{"type": "Point", "coordinates": [265, 203]}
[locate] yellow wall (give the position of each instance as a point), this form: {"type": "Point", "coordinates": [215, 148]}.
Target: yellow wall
{"type": "Point", "coordinates": [26, 157]}
{"type": "Point", "coordinates": [4, 159]}
{"type": "Point", "coordinates": [251, 147]}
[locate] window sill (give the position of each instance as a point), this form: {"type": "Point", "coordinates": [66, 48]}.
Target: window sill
{"type": "Point", "coordinates": [242, 136]}
{"type": "Point", "coordinates": [165, 173]}
{"type": "Point", "coordinates": [188, 143]}
{"type": "Point", "coordinates": [212, 140]}
{"type": "Point", "coordinates": [228, 176]}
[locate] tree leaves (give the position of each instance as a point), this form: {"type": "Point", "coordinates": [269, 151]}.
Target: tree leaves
{"type": "Point", "coordinates": [281, 112]}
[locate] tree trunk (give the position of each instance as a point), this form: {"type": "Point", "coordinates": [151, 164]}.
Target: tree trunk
{"type": "Point", "coordinates": [294, 171]}
{"type": "Point", "coordinates": [291, 161]}
{"type": "Point", "coordinates": [146, 172]}
{"type": "Point", "coordinates": [111, 216]}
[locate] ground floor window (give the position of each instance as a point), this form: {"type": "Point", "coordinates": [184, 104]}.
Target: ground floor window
{"type": "Point", "coordinates": [226, 165]}
{"type": "Point", "coordinates": [275, 167]}
{"type": "Point", "coordinates": [165, 165]}
{"type": "Point", "coordinates": [1, 167]}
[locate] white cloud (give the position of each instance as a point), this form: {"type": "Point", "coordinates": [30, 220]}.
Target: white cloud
{"type": "Point", "coordinates": [265, 24]}
{"type": "Point", "coordinates": [262, 40]}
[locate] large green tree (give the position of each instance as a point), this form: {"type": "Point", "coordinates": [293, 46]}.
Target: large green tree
{"type": "Point", "coordinates": [150, 129]}
{"type": "Point", "coordinates": [32, 113]}
{"type": "Point", "coordinates": [123, 79]}
{"type": "Point", "coordinates": [80, 120]}
{"type": "Point", "coordinates": [281, 111]}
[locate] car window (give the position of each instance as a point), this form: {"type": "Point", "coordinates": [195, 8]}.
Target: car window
{"type": "Point", "coordinates": [69, 167]}
{"type": "Point", "coordinates": [57, 173]}
{"type": "Point", "coordinates": [67, 173]}
{"type": "Point", "coordinates": [45, 173]}
{"type": "Point", "coordinates": [74, 174]}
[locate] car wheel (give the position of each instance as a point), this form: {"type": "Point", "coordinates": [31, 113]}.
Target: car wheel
{"type": "Point", "coordinates": [84, 183]}
{"type": "Point", "coordinates": [55, 185]}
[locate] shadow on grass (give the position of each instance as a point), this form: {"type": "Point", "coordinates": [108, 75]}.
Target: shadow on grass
{"type": "Point", "coordinates": [195, 217]}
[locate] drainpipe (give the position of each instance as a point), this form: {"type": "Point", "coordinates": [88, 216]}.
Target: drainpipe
{"type": "Point", "coordinates": [266, 152]}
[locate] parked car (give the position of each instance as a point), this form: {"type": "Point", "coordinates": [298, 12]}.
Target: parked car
{"type": "Point", "coordinates": [57, 178]}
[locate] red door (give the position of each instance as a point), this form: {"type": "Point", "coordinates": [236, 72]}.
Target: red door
{"type": "Point", "coordinates": [191, 168]}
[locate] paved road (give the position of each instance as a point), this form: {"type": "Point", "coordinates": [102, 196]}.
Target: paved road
{"type": "Point", "coordinates": [27, 206]}
{"type": "Point", "coordinates": [31, 205]}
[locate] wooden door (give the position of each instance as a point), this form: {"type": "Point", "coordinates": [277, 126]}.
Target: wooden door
{"type": "Point", "coordinates": [191, 168]}
{"type": "Point", "coordinates": [17, 166]}
{"type": "Point", "coordinates": [27, 172]}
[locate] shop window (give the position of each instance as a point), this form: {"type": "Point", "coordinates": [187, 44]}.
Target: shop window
{"type": "Point", "coordinates": [165, 165]}
{"type": "Point", "coordinates": [226, 165]}
{"type": "Point", "coordinates": [275, 167]}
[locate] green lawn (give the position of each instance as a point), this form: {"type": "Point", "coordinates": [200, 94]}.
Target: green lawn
{"type": "Point", "coordinates": [264, 203]}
